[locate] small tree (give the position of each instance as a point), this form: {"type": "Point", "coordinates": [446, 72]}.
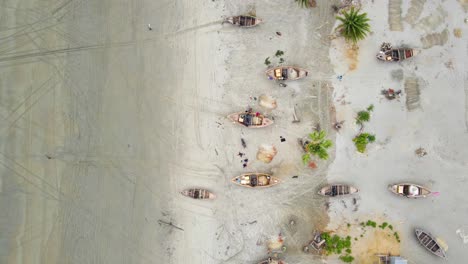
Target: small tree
{"type": "Point", "coordinates": [354, 26]}
{"type": "Point", "coordinates": [317, 146]}
{"type": "Point", "coordinates": [362, 140]}
{"type": "Point", "coordinates": [364, 115]}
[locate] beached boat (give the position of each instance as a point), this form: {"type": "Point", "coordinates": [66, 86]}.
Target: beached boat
{"type": "Point", "coordinates": [255, 180]}
{"type": "Point", "coordinates": [409, 190]}
{"type": "Point", "coordinates": [389, 259]}
{"type": "Point", "coordinates": [243, 21]}
{"type": "Point", "coordinates": [337, 190]}
{"type": "Point", "coordinates": [387, 53]}
{"type": "Point", "coordinates": [198, 194]}
{"type": "Point", "coordinates": [251, 120]}
{"type": "Point", "coordinates": [272, 261]}
{"type": "Point", "coordinates": [430, 243]}
{"type": "Point", "coordinates": [286, 73]}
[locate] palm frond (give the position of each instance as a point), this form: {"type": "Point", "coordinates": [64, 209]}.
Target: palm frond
{"type": "Point", "coordinates": [354, 26]}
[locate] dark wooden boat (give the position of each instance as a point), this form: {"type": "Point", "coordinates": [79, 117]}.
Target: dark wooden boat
{"type": "Point", "coordinates": [409, 190]}
{"type": "Point", "coordinates": [430, 243]}
{"type": "Point", "coordinates": [255, 180]}
{"type": "Point", "coordinates": [337, 190]}
{"type": "Point", "coordinates": [387, 53]}
{"type": "Point", "coordinates": [286, 73]}
{"type": "Point", "coordinates": [396, 54]}
{"type": "Point", "coordinates": [198, 194]}
{"type": "Point", "coordinates": [243, 21]}
{"type": "Point", "coordinates": [250, 120]}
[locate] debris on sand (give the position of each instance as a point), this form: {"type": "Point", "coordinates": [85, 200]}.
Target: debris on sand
{"type": "Point", "coordinates": [295, 118]}
{"type": "Point", "coordinates": [338, 125]}
{"type": "Point", "coordinates": [463, 236]}
{"type": "Point", "coordinates": [275, 243]}
{"type": "Point", "coordinates": [266, 153]}
{"type": "Point", "coordinates": [457, 32]}
{"type": "Point", "coordinates": [420, 152]}
{"type": "Point", "coordinates": [267, 101]}
{"type": "Point", "coordinates": [391, 94]}
{"type": "Point", "coordinates": [244, 145]}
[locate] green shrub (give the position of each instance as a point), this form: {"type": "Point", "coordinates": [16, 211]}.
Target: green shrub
{"type": "Point", "coordinates": [361, 141]}
{"type": "Point", "coordinates": [347, 258]}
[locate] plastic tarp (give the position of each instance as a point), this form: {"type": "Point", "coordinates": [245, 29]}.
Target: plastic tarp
{"type": "Point", "coordinates": [398, 260]}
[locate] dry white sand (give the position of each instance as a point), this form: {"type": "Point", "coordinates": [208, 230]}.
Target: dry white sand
{"type": "Point", "coordinates": [439, 125]}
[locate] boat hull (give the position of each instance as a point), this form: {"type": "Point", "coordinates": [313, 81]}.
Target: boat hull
{"type": "Point", "coordinates": [235, 117]}
{"type": "Point", "coordinates": [430, 243]}
{"type": "Point", "coordinates": [243, 21]}
{"type": "Point", "coordinates": [397, 54]}
{"type": "Point", "coordinates": [399, 188]}
{"type": "Point", "coordinates": [198, 194]}
{"type": "Point", "coordinates": [286, 73]}
{"type": "Point", "coordinates": [245, 180]}
{"type": "Point", "coordinates": [337, 190]}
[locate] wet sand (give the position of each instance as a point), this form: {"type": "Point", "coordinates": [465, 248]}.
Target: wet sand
{"type": "Point", "coordinates": [104, 122]}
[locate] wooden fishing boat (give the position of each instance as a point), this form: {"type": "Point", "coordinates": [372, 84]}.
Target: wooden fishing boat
{"type": "Point", "coordinates": [409, 190]}
{"type": "Point", "coordinates": [337, 190]}
{"type": "Point", "coordinates": [243, 21]}
{"type": "Point", "coordinates": [272, 261]}
{"type": "Point", "coordinates": [286, 73]}
{"type": "Point", "coordinates": [250, 120]}
{"type": "Point", "coordinates": [198, 194]}
{"type": "Point", "coordinates": [397, 54]}
{"type": "Point", "coordinates": [255, 180]}
{"type": "Point", "coordinates": [388, 54]}
{"type": "Point", "coordinates": [430, 243]}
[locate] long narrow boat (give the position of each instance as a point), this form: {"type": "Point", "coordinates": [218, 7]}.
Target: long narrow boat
{"type": "Point", "coordinates": [243, 21]}
{"type": "Point", "coordinates": [286, 73]}
{"type": "Point", "coordinates": [198, 194]}
{"type": "Point", "coordinates": [250, 120]}
{"type": "Point", "coordinates": [396, 54]}
{"type": "Point", "coordinates": [272, 261]}
{"type": "Point", "coordinates": [255, 180]}
{"type": "Point", "coordinates": [337, 190]}
{"type": "Point", "coordinates": [430, 243]}
{"type": "Point", "coordinates": [409, 190]}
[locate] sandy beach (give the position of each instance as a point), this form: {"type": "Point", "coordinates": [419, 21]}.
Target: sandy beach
{"type": "Point", "coordinates": [109, 109]}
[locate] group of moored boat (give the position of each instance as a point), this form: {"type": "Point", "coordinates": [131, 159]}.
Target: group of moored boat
{"type": "Point", "coordinates": [408, 190]}
{"type": "Point", "coordinates": [248, 180]}
{"type": "Point", "coordinates": [257, 120]}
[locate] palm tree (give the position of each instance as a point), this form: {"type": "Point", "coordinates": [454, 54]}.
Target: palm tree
{"type": "Point", "coordinates": [306, 3]}
{"type": "Point", "coordinates": [317, 146]}
{"type": "Point", "coordinates": [354, 26]}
